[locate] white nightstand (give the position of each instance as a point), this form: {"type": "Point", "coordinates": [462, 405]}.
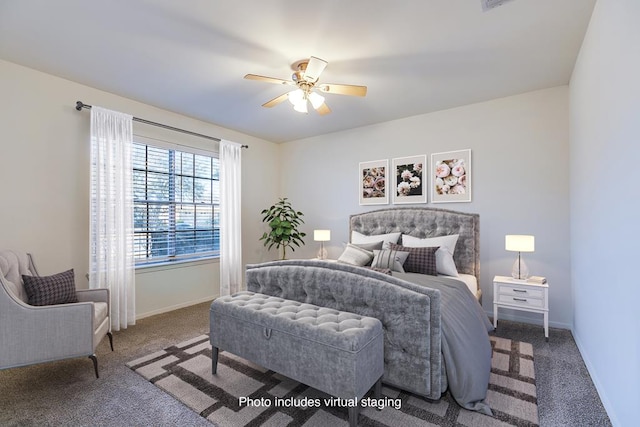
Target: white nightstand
{"type": "Point", "coordinates": [521, 295]}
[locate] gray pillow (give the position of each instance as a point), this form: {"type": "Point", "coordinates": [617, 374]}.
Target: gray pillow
{"type": "Point", "coordinates": [387, 258]}
{"type": "Point", "coordinates": [359, 238]}
{"type": "Point", "coordinates": [369, 246]}
{"type": "Point", "coordinates": [50, 290]}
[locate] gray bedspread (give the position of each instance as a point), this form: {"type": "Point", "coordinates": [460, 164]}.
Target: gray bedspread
{"type": "Point", "coordinates": [465, 343]}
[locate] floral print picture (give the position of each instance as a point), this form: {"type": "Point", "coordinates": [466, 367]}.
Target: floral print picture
{"type": "Point", "coordinates": [451, 176]}
{"type": "Point", "coordinates": [409, 184]}
{"type": "Point", "coordinates": [373, 182]}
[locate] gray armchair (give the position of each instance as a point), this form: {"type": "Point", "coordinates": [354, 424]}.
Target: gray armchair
{"type": "Point", "coordinates": [37, 334]}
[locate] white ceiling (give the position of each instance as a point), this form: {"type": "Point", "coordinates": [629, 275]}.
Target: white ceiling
{"type": "Point", "coordinates": [190, 56]}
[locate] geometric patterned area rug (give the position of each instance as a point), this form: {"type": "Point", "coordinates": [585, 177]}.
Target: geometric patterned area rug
{"type": "Point", "coordinates": [245, 394]}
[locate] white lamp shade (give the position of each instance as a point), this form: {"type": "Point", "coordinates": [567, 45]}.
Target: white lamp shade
{"type": "Point", "coordinates": [316, 100]}
{"type": "Point", "coordinates": [301, 107]}
{"type": "Point", "coordinates": [296, 96]}
{"type": "Point", "coordinates": [519, 243]}
{"type": "Point", "coordinates": [321, 235]}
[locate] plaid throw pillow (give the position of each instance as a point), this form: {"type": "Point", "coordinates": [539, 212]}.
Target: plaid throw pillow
{"type": "Point", "coordinates": [420, 260]}
{"type": "Point", "coordinates": [49, 290]}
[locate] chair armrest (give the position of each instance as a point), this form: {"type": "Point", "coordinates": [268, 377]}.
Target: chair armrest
{"type": "Point", "coordinates": [93, 295]}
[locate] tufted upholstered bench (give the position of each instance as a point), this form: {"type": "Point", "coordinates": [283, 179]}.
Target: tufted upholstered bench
{"type": "Point", "coordinates": [336, 352]}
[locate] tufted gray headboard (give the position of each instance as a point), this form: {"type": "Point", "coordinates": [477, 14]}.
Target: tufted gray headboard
{"type": "Point", "coordinates": [427, 222]}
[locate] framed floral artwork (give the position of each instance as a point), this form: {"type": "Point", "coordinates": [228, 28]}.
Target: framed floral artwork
{"type": "Point", "coordinates": [372, 182]}
{"type": "Point", "coordinates": [451, 176]}
{"type": "Point", "coordinates": [409, 180]}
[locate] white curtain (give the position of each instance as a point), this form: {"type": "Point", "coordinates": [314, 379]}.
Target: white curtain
{"type": "Point", "coordinates": [230, 218]}
{"type": "Point", "coordinates": [112, 263]}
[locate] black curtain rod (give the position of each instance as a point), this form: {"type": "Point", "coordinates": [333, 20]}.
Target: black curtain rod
{"type": "Point", "coordinates": [80, 105]}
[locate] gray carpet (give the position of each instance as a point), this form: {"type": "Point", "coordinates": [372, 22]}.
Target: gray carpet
{"type": "Point", "coordinates": [66, 393]}
{"type": "Point", "coordinates": [566, 394]}
{"type": "Point", "coordinates": [184, 371]}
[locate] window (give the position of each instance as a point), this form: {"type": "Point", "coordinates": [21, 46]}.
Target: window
{"type": "Point", "coordinates": [175, 210]}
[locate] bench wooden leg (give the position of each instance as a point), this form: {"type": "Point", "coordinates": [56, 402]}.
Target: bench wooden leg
{"type": "Point", "coordinates": [377, 391]}
{"type": "Point", "coordinates": [353, 414]}
{"type": "Point", "coordinates": [214, 360]}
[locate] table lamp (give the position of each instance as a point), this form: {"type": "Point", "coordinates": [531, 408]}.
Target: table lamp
{"type": "Point", "coordinates": [519, 243]}
{"type": "Point", "coordinates": [322, 236]}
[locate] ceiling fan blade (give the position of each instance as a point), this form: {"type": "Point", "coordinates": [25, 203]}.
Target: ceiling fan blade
{"type": "Point", "coordinates": [323, 109]}
{"type": "Point", "coordinates": [275, 101]}
{"type": "Point", "coordinates": [343, 89]}
{"type": "Point", "coordinates": [268, 79]}
{"type": "Point", "coordinates": [315, 67]}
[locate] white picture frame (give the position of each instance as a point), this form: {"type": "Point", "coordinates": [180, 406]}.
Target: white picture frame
{"type": "Point", "coordinates": [372, 182]}
{"type": "Point", "coordinates": [446, 168]}
{"type": "Point", "coordinates": [408, 179]}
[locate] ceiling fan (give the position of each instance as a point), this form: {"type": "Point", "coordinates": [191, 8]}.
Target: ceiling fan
{"type": "Point", "coordinates": [305, 78]}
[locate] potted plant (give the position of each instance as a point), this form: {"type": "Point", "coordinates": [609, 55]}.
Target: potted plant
{"type": "Point", "coordinates": [284, 222]}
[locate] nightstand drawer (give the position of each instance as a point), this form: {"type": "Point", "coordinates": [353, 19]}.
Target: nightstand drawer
{"type": "Point", "coordinates": [523, 301]}
{"type": "Point", "coordinates": [514, 290]}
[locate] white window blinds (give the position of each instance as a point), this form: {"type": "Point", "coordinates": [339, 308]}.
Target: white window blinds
{"type": "Point", "coordinates": [176, 201]}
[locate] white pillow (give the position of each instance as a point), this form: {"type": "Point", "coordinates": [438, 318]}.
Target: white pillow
{"type": "Point", "coordinates": [444, 255]}
{"type": "Point", "coordinates": [390, 259]}
{"type": "Point", "coordinates": [355, 255]}
{"type": "Point", "coordinates": [358, 238]}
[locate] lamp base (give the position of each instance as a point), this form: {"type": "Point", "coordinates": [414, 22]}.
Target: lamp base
{"type": "Point", "coordinates": [520, 271]}
{"type": "Point", "coordinates": [322, 253]}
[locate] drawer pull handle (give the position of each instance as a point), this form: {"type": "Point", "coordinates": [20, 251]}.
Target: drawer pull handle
{"type": "Point", "coordinates": [524, 291]}
{"type": "Point", "coordinates": [267, 333]}
{"type": "Point", "coordinates": [520, 299]}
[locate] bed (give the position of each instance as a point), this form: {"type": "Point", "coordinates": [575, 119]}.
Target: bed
{"type": "Point", "coordinates": [436, 333]}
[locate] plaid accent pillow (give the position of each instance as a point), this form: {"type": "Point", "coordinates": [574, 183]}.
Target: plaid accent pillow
{"type": "Point", "coordinates": [49, 290]}
{"type": "Point", "coordinates": [420, 260]}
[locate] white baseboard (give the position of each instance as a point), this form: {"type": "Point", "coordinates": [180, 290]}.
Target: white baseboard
{"type": "Point", "coordinates": [596, 382]}
{"type": "Point", "coordinates": [175, 307]}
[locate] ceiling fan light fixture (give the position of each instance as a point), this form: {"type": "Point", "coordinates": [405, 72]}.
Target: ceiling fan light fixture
{"type": "Point", "coordinates": [296, 96]}
{"type": "Point", "coordinates": [301, 107]}
{"type": "Point", "coordinates": [316, 100]}
{"type": "Point", "coordinates": [306, 87]}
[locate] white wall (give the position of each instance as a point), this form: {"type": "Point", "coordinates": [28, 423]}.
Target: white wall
{"type": "Point", "coordinates": [605, 151]}
{"type": "Point", "coordinates": [520, 158]}
{"type": "Point", "coordinates": [44, 170]}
